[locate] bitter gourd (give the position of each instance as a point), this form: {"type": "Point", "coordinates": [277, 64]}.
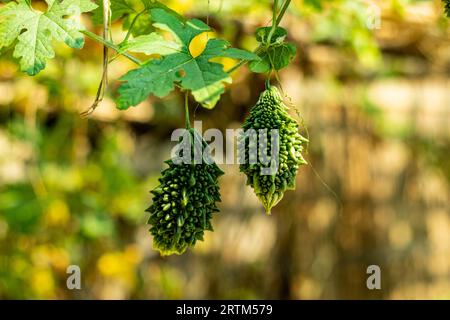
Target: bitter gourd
{"type": "Point", "coordinates": [270, 113]}
{"type": "Point", "coordinates": [184, 202]}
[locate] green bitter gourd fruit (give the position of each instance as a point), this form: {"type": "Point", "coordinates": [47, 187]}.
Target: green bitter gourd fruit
{"type": "Point", "coordinates": [184, 202]}
{"type": "Point", "coordinates": [270, 113]}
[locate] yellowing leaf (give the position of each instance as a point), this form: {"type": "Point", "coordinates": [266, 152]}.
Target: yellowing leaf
{"type": "Point", "coordinates": [198, 43]}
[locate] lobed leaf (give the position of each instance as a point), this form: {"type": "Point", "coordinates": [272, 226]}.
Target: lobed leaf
{"type": "Point", "coordinates": [129, 11]}
{"type": "Point", "coordinates": [34, 30]}
{"type": "Point", "coordinates": [205, 79]}
{"type": "Point", "coordinates": [276, 53]}
{"type": "Point", "coordinates": [151, 44]}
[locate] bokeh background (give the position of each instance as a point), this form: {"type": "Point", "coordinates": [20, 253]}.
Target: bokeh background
{"type": "Point", "coordinates": [374, 97]}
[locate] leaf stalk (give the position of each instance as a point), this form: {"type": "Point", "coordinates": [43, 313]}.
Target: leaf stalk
{"type": "Point", "coordinates": [111, 45]}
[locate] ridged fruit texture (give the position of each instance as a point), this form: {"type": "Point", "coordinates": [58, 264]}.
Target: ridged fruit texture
{"type": "Point", "coordinates": [184, 203]}
{"type": "Point", "coordinates": [270, 112]}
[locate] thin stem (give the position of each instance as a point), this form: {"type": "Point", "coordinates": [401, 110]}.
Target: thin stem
{"type": "Point", "coordinates": [114, 57]}
{"type": "Point", "coordinates": [259, 48]}
{"type": "Point", "coordinates": [283, 11]}
{"type": "Point", "coordinates": [237, 66]}
{"type": "Point", "coordinates": [186, 110]}
{"type": "Point", "coordinates": [111, 45]}
{"type": "Point", "coordinates": [127, 36]}
{"type": "Point", "coordinates": [274, 21]}
{"type": "Point", "coordinates": [243, 62]}
{"type": "Point", "coordinates": [104, 81]}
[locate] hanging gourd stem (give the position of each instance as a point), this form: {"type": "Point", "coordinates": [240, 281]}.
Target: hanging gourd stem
{"type": "Point", "coordinates": [186, 111]}
{"type": "Point", "coordinates": [259, 48]}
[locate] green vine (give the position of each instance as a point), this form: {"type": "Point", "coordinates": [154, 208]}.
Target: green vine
{"type": "Point", "coordinates": [276, 20]}
{"type": "Point", "coordinates": [184, 202]}
{"type": "Point", "coordinates": [112, 46]}
{"type": "Point", "coordinates": [186, 111]}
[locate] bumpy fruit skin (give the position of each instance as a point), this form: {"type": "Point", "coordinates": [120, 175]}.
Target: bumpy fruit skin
{"type": "Point", "coordinates": [270, 112]}
{"type": "Point", "coordinates": [183, 204]}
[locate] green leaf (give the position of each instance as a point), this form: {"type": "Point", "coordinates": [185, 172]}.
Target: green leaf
{"type": "Point", "coordinates": [35, 30]}
{"type": "Point", "coordinates": [261, 66]}
{"type": "Point", "coordinates": [205, 79]}
{"type": "Point", "coordinates": [142, 24]}
{"type": "Point", "coordinates": [128, 10]}
{"type": "Point", "coordinates": [275, 53]}
{"type": "Point", "coordinates": [118, 9]}
{"type": "Point", "coordinates": [152, 43]}
{"type": "Point", "coordinates": [278, 36]}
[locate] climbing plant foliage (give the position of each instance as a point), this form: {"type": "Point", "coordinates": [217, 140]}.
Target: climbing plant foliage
{"type": "Point", "coordinates": [275, 53]}
{"type": "Point", "coordinates": [205, 79]}
{"type": "Point", "coordinates": [184, 202]}
{"type": "Point", "coordinates": [132, 13]}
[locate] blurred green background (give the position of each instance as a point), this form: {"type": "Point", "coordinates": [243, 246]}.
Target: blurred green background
{"type": "Point", "coordinates": [375, 99]}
